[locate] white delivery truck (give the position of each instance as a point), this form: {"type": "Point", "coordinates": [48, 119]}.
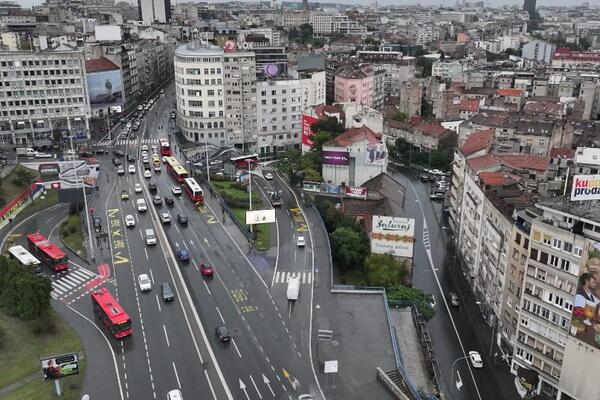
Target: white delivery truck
{"type": "Point", "coordinates": [26, 151]}
{"type": "Point", "coordinates": [293, 289]}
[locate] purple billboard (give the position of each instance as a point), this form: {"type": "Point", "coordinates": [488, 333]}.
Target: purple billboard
{"type": "Point", "coordinates": [335, 157]}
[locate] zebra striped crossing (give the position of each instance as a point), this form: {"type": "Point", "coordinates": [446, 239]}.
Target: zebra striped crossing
{"type": "Point", "coordinates": [108, 143]}
{"type": "Point", "coordinates": [66, 284]}
{"type": "Point", "coordinates": [284, 277]}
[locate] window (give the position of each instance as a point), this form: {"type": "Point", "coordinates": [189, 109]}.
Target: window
{"type": "Point", "coordinates": [557, 243]}
{"type": "Point", "coordinates": [547, 239]}
{"type": "Point", "coordinates": [554, 261]}
{"type": "Point", "coordinates": [526, 243]}
{"type": "Point", "coordinates": [568, 247]}
{"type": "Point", "coordinates": [578, 251]}
{"type": "Point", "coordinates": [518, 238]}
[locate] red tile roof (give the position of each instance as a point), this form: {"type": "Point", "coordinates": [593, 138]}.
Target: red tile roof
{"type": "Point", "coordinates": [354, 135]}
{"type": "Point", "coordinates": [510, 92]}
{"type": "Point", "coordinates": [483, 162]}
{"type": "Point", "coordinates": [493, 178]}
{"type": "Point", "coordinates": [469, 105]}
{"type": "Point", "coordinates": [99, 64]}
{"type": "Point", "coordinates": [524, 161]}
{"type": "Point", "coordinates": [436, 131]}
{"type": "Point", "coordinates": [558, 152]}
{"type": "Point", "coordinates": [477, 141]}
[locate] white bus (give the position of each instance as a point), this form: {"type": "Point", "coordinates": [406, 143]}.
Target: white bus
{"type": "Point", "coordinates": [24, 257]}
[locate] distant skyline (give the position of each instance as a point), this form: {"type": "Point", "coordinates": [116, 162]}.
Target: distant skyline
{"type": "Point", "coordinates": [30, 3]}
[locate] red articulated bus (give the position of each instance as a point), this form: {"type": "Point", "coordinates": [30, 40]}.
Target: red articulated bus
{"type": "Point", "coordinates": [175, 169]}
{"type": "Point", "coordinates": [112, 315]}
{"type": "Point", "coordinates": [48, 253]}
{"type": "Point", "coordinates": [193, 190]}
{"type": "Point", "coordinates": [165, 147]}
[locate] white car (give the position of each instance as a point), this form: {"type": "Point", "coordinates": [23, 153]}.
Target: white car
{"type": "Point", "coordinates": [269, 176]}
{"type": "Point", "coordinates": [138, 188]}
{"type": "Point", "coordinates": [164, 159]}
{"type": "Point", "coordinates": [120, 170]}
{"type": "Point", "coordinates": [129, 220]}
{"type": "Point", "coordinates": [176, 190]}
{"type": "Point", "coordinates": [144, 282]}
{"type": "Point", "coordinates": [145, 148]}
{"type": "Point", "coordinates": [174, 394]}
{"type": "Point", "coordinates": [131, 169]}
{"type": "Point", "coordinates": [147, 174]}
{"type": "Point", "coordinates": [141, 205]}
{"type": "Point", "coordinates": [144, 153]}
{"type": "Point", "coordinates": [475, 359]}
{"type": "Point", "coordinates": [300, 241]}
{"type": "Point", "coordinates": [154, 149]}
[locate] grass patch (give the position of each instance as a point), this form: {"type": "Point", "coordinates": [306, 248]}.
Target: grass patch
{"type": "Point", "coordinates": [263, 232]}
{"type": "Point", "coordinates": [71, 233]}
{"type": "Point", "coordinates": [24, 349]}
{"type": "Point", "coordinates": [13, 184]}
{"type": "Point", "coordinates": [43, 202]}
{"type": "Point", "coordinates": [228, 189]}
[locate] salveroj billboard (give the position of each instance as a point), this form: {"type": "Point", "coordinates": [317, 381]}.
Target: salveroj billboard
{"type": "Point", "coordinates": [393, 235]}
{"type": "Point", "coordinates": [585, 187]}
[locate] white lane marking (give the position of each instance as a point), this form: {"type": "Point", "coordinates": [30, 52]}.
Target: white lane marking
{"type": "Point", "coordinates": [177, 229]}
{"type": "Point", "coordinates": [176, 375]}
{"type": "Point", "coordinates": [255, 387]}
{"type": "Point", "coordinates": [166, 336]}
{"type": "Point", "coordinates": [220, 315]}
{"type": "Point", "coordinates": [158, 303]}
{"type": "Point", "coordinates": [146, 252]}
{"type": "Point", "coordinates": [208, 290]}
{"type": "Point", "coordinates": [152, 276]}
{"type": "Point", "coordinates": [236, 348]}
{"type": "Point", "coordinates": [141, 234]}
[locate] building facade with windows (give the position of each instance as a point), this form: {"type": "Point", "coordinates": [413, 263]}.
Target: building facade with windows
{"type": "Point", "coordinates": [279, 109]}
{"type": "Point", "coordinates": [43, 94]}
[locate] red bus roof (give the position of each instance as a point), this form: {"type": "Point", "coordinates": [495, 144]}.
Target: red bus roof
{"type": "Point", "coordinates": [109, 305]}
{"type": "Point", "coordinates": [49, 248]}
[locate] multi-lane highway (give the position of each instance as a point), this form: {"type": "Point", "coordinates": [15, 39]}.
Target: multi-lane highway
{"type": "Point", "coordinates": [268, 356]}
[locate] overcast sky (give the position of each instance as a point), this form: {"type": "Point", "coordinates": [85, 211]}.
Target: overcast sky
{"type": "Point", "coordinates": [29, 3]}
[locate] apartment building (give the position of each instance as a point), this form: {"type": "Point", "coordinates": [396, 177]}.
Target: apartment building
{"type": "Point", "coordinates": [539, 51]}
{"type": "Point", "coordinates": [327, 24]}
{"type": "Point", "coordinates": [313, 89]}
{"type": "Point", "coordinates": [279, 109]}
{"type": "Point", "coordinates": [360, 84]}
{"type": "Point", "coordinates": [41, 93]}
{"type": "Point", "coordinates": [216, 95]}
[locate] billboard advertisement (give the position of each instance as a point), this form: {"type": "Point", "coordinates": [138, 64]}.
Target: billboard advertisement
{"type": "Point", "coordinates": [307, 132]}
{"type": "Point", "coordinates": [585, 318]}
{"type": "Point", "coordinates": [375, 154]}
{"type": "Point", "coordinates": [49, 172]}
{"type": "Point", "coordinates": [56, 367]}
{"type": "Point", "coordinates": [393, 235]}
{"type": "Point", "coordinates": [585, 187]}
{"type": "Point", "coordinates": [105, 88]}
{"type": "Point", "coordinates": [335, 157]}
{"type": "Point", "coordinates": [356, 192]}
{"type": "Point", "coordinates": [260, 217]}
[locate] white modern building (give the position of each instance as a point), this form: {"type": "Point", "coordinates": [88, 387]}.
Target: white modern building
{"type": "Point", "coordinates": [539, 51]}
{"type": "Point", "coordinates": [42, 93]}
{"type": "Point", "coordinates": [313, 91]}
{"type": "Point", "coordinates": [278, 114]}
{"type": "Point", "coordinates": [447, 70]}
{"type": "Point", "coordinates": [327, 24]}
{"type": "Point", "coordinates": [215, 95]}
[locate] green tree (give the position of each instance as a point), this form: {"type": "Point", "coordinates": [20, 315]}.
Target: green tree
{"type": "Point", "coordinates": [23, 294]}
{"type": "Point", "coordinates": [384, 270]}
{"type": "Point", "coordinates": [320, 138]}
{"type": "Point", "coordinates": [413, 295]}
{"type": "Point", "coordinates": [400, 116]}
{"type": "Point", "coordinates": [347, 247]}
{"type": "Point", "coordinates": [23, 176]}
{"type": "Point", "coordinates": [312, 175]}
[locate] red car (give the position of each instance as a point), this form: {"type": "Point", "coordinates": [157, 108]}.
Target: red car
{"type": "Point", "coordinates": [206, 270]}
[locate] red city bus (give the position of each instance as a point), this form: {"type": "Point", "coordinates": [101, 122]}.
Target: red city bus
{"type": "Point", "coordinates": [112, 315]}
{"type": "Point", "coordinates": [48, 253]}
{"type": "Point", "coordinates": [175, 169]}
{"type": "Point", "coordinates": [193, 190]}
{"type": "Point", "coordinates": [165, 147]}
{"type": "Point", "coordinates": [241, 162]}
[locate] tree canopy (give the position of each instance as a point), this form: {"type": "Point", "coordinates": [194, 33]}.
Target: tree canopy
{"type": "Point", "coordinates": [347, 248]}
{"type": "Point", "coordinates": [416, 296]}
{"type": "Point", "coordinates": [385, 270]}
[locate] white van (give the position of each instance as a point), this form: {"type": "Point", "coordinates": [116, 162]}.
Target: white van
{"type": "Point", "coordinates": [174, 394]}
{"type": "Point", "coordinates": [293, 289]}
{"type": "Point", "coordinates": [141, 205]}
{"type": "Point", "coordinates": [150, 237]}
{"type": "Point", "coordinates": [26, 151]}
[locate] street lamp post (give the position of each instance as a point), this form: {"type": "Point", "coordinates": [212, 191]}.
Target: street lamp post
{"type": "Point", "coordinates": [85, 205]}
{"type": "Point", "coordinates": [452, 374]}
{"type": "Point", "coordinates": [206, 157]}
{"type": "Point", "coordinates": [250, 188]}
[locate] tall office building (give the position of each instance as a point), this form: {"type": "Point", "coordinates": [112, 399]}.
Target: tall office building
{"type": "Point", "coordinates": [154, 11]}
{"type": "Point", "coordinates": [529, 6]}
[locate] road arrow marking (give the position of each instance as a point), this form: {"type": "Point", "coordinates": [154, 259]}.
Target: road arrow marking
{"type": "Point", "coordinates": [243, 388]}
{"type": "Point", "coordinates": [119, 259]}
{"type": "Point", "coordinates": [211, 219]}
{"type": "Point", "coordinates": [268, 383]}
{"type": "Point", "coordinates": [459, 383]}
{"type": "Point", "coordinates": [112, 212]}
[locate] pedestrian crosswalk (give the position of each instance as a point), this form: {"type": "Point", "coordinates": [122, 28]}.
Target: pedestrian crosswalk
{"type": "Point", "coordinates": [108, 143]}
{"type": "Point", "coordinates": [284, 277]}
{"type": "Point", "coordinates": [75, 279]}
